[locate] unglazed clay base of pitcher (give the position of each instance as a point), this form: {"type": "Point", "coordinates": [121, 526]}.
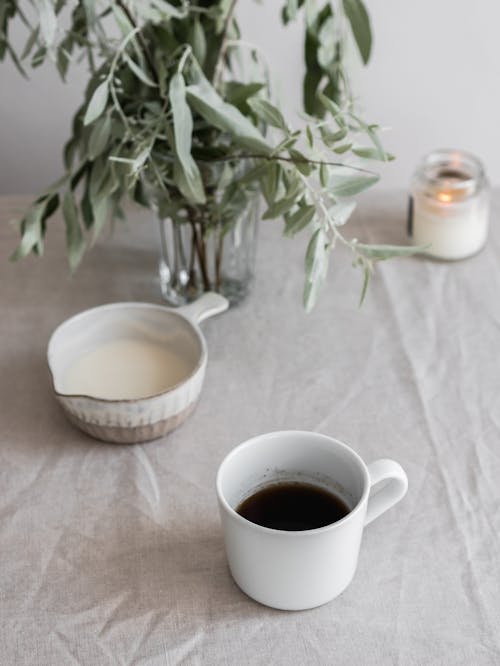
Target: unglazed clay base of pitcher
{"type": "Point", "coordinates": [132, 434]}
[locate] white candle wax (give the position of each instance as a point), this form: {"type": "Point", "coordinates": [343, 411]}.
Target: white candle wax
{"type": "Point", "coordinates": [452, 230]}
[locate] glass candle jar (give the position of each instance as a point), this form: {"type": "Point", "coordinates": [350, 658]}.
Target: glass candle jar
{"type": "Point", "coordinates": [449, 205]}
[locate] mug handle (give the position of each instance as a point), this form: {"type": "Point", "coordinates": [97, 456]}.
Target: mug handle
{"type": "Point", "coordinates": [208, 305]}
{"type": "Point", "coordinates": [390, 492]}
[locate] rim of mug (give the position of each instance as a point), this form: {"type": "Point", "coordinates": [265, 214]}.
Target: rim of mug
{"type": "Point", "coordinates": [291, 533]}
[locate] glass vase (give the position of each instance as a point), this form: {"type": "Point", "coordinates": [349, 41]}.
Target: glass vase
{"type": "Point", "coordinates": [195, 258]}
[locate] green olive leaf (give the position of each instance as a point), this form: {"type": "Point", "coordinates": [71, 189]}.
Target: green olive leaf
{"type": "Point", "coordinates": [138, 71]}
{"type": "Point", "coordinates": [360, 26]}
{"type": "Point", "coordinates": [316, 267]}
{"type": "Point", "coordinates": [198, 40]}
{"type": "Point", "coordinates": [299, 220]}
{"type": "Point", "coordinates": [267, 112]}
{"type": "Point", "coordinates": [366, 281]}
{"type": "Point", "coordinates": [99, 136]}
{"type": "Point", "coordinates": [382, 252]}
{"type": "Point", "coordinates": [345, 182]}
{"type": "Point", "coordinates": [75, 241]}
{"type": "Point", "coordinates": [31, 230]}
{"type": "Point", "coordinates": [373, 154]}
{"type": "Point", "coordinates": [48, 21]}
{"type": "Point", "coordinates": [97, 103]}
{"type": "Point", "coordinates": [190, 182]}
{"type": "Point", "coordinates": [203, 98]}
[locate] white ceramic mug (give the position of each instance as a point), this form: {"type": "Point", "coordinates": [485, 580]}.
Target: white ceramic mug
{"type": "Point", "coordinates": [303, 569]}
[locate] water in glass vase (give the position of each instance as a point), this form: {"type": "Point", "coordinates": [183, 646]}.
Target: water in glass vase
{"type": "Point", "coordinates": [198, 257]}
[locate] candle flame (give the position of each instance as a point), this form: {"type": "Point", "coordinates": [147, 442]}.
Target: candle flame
{"type": "Point", "coordinates": [445, 197]}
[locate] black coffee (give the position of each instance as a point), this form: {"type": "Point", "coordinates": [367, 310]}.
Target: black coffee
{"type": "Point", "coordinates": [293, 506]}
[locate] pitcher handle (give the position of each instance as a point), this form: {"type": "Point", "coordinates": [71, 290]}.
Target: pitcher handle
{"type": "Point", "coordinates": [208, 305]}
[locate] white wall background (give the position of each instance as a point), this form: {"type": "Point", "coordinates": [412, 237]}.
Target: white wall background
{"type": "Point", "coordinates": [434, 80]}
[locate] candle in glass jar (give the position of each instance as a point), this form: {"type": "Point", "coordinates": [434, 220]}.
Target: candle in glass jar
{"type": "Point", "coordinates": [449, 205]}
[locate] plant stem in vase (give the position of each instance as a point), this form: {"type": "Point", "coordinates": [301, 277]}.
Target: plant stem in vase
{"type": "Point", "coordinates": [200, 255]}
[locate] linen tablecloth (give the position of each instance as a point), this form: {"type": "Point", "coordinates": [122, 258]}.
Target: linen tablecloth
{"type": "Point", "coordinates": [113, 554]}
